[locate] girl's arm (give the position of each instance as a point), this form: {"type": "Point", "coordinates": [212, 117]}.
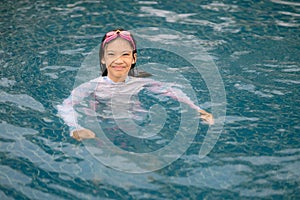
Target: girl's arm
{"type": "Point", "coordinates": [166, 89]}
{"type": "Point", "coordinates": [66, 110]}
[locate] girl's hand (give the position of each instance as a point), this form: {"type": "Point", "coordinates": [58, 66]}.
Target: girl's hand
{"type": "Point", "coordinates": [83, 134]}
{"type": "Point", "coordinates": [206, 117]}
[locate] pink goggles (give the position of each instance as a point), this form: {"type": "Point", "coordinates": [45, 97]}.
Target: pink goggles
{"type": "Point", "coordinates": [114, 34]}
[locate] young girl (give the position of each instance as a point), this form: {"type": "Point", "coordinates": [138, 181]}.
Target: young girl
{"type": "Point", "coordinates": [118, 56]}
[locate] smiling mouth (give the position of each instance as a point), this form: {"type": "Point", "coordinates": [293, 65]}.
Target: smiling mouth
{"type": "Point", "coordinates": [118, 67]}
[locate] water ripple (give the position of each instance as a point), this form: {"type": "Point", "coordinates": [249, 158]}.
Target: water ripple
{"type": "Point", "coordinates": [290, 3]}
{"type": "Point", "coordinates": [22, 100]}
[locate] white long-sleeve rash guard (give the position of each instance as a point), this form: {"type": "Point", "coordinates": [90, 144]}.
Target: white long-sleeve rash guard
{"type": "Point", "coordinates": [106, 89]}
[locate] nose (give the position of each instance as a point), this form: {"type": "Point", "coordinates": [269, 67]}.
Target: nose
{"type": "Point", "coordinates": [118, 60]}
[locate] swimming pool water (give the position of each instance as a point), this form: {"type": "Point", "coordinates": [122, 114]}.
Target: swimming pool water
{"type": "Point", "coordinates": [255, 46]}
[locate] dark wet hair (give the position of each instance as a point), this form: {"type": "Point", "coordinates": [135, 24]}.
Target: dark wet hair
{"type": "Point", "coordinates": [133, 71]}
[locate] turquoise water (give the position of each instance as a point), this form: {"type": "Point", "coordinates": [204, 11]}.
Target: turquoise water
{"type": "Point", "coordinates": [255, 46]}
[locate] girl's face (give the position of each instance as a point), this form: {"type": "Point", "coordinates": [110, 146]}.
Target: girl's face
{"type": "Point", "coordinates": [118, 59]}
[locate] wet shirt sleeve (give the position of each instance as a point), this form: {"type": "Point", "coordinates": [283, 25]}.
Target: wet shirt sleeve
{"type": "Point", "coordinates": [173, 91]}
{"type": "Point", "coordinates": [66, 110]}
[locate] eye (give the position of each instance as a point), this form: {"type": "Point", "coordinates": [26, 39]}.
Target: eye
{"type": "Point", "coordinates": [126, 54]}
